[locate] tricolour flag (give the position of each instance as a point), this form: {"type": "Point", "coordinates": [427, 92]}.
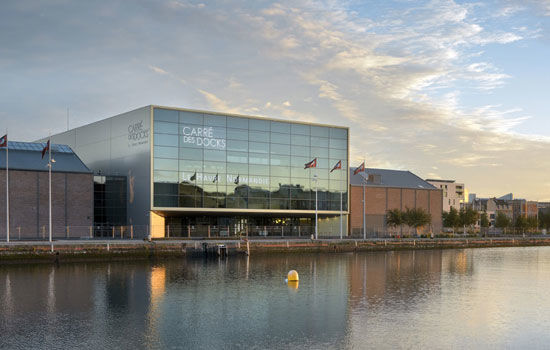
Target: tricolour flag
{"type": "Point", "coordinates": [4, 141]}
{"type": "Point", "coordinates": [312, 164]}
{"type": "Point", "coordinates": [359, 169]}
{"type": "Point", "coordinates": [337, 166]}
{"type": "Point", "coordinates": [46, 149]}
{"type": "Point", "coordinates": [215, 178]}
{"type": "Point", "coordinates": [193, 177]}
{"type": "Point", "coordinates": [237, 179]}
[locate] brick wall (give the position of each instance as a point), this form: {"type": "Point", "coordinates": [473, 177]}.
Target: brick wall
{"type": "Point", "coordinates": [72, 204]}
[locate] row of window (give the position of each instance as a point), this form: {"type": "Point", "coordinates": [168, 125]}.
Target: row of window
{"type": "Point", "coordinates": [201, 119]}
{"type": "Point", "coordinates": [245, 203]}
{"type": "Point", "coordinates": [168, 130]}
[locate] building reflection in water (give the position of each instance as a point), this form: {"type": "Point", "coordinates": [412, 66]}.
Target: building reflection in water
{"type": "Point", "coordinates": [218, 303]}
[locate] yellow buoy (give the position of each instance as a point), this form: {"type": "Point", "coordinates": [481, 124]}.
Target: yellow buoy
{"type": "Point", "coordinates": [292, 276]}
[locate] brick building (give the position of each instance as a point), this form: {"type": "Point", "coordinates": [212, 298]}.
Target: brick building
{"type": "Point", "coordinates": [72, 192]}
{"type": "Point", "coordinates": [391, 189]}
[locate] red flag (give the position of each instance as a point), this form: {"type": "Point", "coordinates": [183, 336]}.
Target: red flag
{"type": "Point", "coordinates": [4, 141]}
{"type": "Point", "coordinates": [360, 168]}
{"type": "Point", "coordinates": [337, 166]}
{"type": "Point", "coordinates": [312, 164]}
{"type": "Point", "coordinates": [46, 149]}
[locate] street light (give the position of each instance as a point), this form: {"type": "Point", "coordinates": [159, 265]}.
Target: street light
{"type": "Point", "coordinates": [315, 179]}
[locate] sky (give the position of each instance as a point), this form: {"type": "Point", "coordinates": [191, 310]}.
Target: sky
{"type": "Point", "coordinates": [445, 89]}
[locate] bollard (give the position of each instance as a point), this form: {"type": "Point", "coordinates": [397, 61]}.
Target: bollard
{"type": "Point", "coordinates": [19, 232]}
{"type": "Point", "coordinates": [91, 233]}
{"type": "Point", "coordinates": [113, 232]}
{"type": "Point", "coordinates": [67, 232]}
{"type": "Point", "coordinates": [108, 248]}
{"type": "Point", "coordinates": [131, 231]}
{"type": "Point", "coordinates": [121, 232]}
{"type": "Point", "coordinates": [208, 231]}
{"type": "Point", "coordinates": [188, 231]}
{"type": "Point", "coordinates": [167, 231]}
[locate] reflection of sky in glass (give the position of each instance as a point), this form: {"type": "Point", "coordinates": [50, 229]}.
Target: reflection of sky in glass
{"type": "Point", "coordinates": [415, 299]}
{"type": "Point", "coordinates": [265, 155]}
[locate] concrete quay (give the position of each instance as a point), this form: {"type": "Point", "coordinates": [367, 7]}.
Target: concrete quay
{"type": "Point", "coordinates": [107, 250]}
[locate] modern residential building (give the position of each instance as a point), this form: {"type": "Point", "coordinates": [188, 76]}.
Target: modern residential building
{"type": "Point", "coordinates": [72, 192]}
{"type": "Point", "coordinates": [524, 208]}
{"type": "Point", "coordinates": [390, 189]}
{"type": "Point", "coordinates": [453, 193]}
{"type": "Point", "coordinates": [170, 170]}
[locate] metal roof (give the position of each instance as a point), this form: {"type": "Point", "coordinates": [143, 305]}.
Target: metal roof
{"type": "Point", "coordinates": [27, 156]}
{"type": "Point", "coordinates": [390, 178]}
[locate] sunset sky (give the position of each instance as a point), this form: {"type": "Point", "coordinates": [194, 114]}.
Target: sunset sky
{"type": "Point", "coordinates": [446, 89]}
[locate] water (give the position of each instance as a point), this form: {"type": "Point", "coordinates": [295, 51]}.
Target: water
{"type": "Point", "coordinates": [473, 298]}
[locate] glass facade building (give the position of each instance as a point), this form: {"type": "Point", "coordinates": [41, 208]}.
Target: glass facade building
{"type": "Point", "coordinates": [187, 167]}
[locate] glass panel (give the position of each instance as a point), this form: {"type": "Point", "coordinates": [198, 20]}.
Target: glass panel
{"type": "Point", "coordinates": [214, 120]}
{"type": "Point", "coordinates": [300, 151]}
{"type": "Point", "coordinates": [191, 118]}
{"type": "Point", "coordinates": [190, 153]}
{"type": "Point", "coordinates": [338, 133]}
{"type": "Point", "coordinates": [300, 140]}
{"type": "Point", "coordinates": [280, 180]}
{"type": "Point", "coordinates": [280, 138]}
{"type": "Point", "coordinates": [166, 128]}
{"type": "Point", "coordinates": [235, 122]}
{"type": "Point", "coordinates": [319, 131]}
{"type": "Point", "coordinates": [214, 167]}
{"type": "Point", "coordinates": [234, 145]}
{"type": "Point", "coordinates": [258, 203]}
{"type": "Point", "coordinates": [280, 127]}
{"type": "Point", "coordinates": [237, 157]}
{"type": "Point", "coordinates": [277, 159]}
{"type": "Point", "coordinates": [165, 152]}
{"type": "Point", "coordinates": [338, 143]}
{"type": "Point", "coordinates": [191, 165]}
{"type": "Point", "coordinates": [260, 136]}
{"type": "Point", "coordinates": [256, 158]}
{"type": "Point", "coordinates": [165, 176]}
{"type": "Point", "coordinates": [236, 134]}
{"type": "Point", "coordinates": [258, 170]}
{"type": "Point", "coordinates": [165, 201]}
{"type": "Point", "coordinates": [319, 152]}
{"type": "Point", "coordinates": [258, 124]}
{"type": "Point", "coordinates": [166, 115]}
{"type": "Point", "coordinates": [299, 161]}
{"type": "Point", "coordinates": [319, 142]}
{"type": "Point", "coordinates": [279, 203]}
{"type": "Point", "coordinates": [280, 171]}
{"type": "Point", "coordinates": [165, 164]}
{"type": "Point", "coordinates": [280, 149]}
{"type": "Point", "coordinates": [214, 155]}
{"type": "Point", "coordinates": [237, 168]}
{"type": "Point", "coordinates": [300, 129]}
{"type": "Point", "coordinates": [166, 140]}
{"type": "Point", "coordinates": [258, 147]}
{"type": "Point", "coordinates": [338, 153]}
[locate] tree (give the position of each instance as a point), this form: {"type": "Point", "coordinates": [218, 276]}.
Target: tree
{"type": "Point", "coordinates": [484, 221]}
{"type": "Point", "coordinates": [468, 217]}
{"type": "Point", "coordinates": [502, 221]}
{"type": "Point", "coordinates": [520, 223]}
{"type": "Point", "coordinates": [394, 218]}
{"type": "Point", "coordinates": [416, 217]}
{"type": "Point", "coordinates": [451, 219]}
{"type": "Point", "coordinates": [532, 223]}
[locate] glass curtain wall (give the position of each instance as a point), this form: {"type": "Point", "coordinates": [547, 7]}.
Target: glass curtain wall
{"type": "Point", "coordinates": [215, 161]}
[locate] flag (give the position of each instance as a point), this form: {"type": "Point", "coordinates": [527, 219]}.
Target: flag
{"type": "Point", "coordinates": [312, 164]}
{"type": "Point", "coordinates": [4, 141]}
{"type": "Point", "coordinates": [192, 178]}
{"type": "Point", "coordinates": [337, 166]}
{"type": "Point", "coordinates": [360, 168]}
{"type": "Point", "coordinates": [46, 149]}
{"type": "Point", "coordinates": [237, 179]}
{"type": "Point", "coordinates": [215, 178]}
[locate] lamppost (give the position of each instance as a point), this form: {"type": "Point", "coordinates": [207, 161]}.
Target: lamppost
{"type": "Point", "coordinates": [364, 215]}
{"type": "Point", "coordinates": [315, 179]}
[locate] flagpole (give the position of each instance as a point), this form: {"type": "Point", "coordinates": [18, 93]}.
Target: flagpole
{"type": "Point", "coordinates": [7, 191]}
{"type": "Point", "coordinates": [50, 182]}
{"type": "Point", "coordinates": [364, 204]}
{"type": "Point", "coordinates": [341, 192]}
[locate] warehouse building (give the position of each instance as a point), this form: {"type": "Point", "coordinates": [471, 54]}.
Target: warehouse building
{"type": "Point", "coordinates": [72, 192]}
{"type": "Point", "coordinates": [384, 190]}
{"type": "Point", "coordinates": [179, 172]}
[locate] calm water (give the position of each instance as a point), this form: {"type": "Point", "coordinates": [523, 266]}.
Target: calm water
{"type": "Point", "coordinates": [475, 298]}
